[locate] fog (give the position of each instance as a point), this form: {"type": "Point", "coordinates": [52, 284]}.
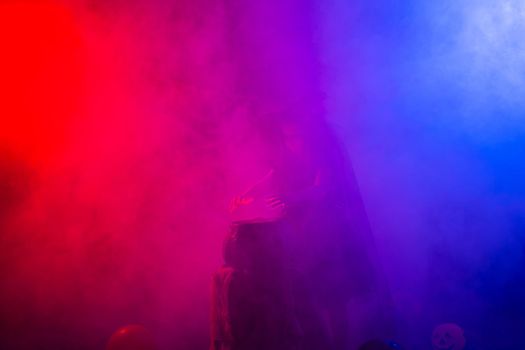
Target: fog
{"type": "Point", "coordinates": [127, 127]}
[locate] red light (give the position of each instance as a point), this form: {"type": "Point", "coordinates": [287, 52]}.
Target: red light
{"type": "Point", "coordinates": [40, 76]}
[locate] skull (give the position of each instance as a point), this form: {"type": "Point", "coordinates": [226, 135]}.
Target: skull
{"type": "Point", "coordinates": [448, 336]}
